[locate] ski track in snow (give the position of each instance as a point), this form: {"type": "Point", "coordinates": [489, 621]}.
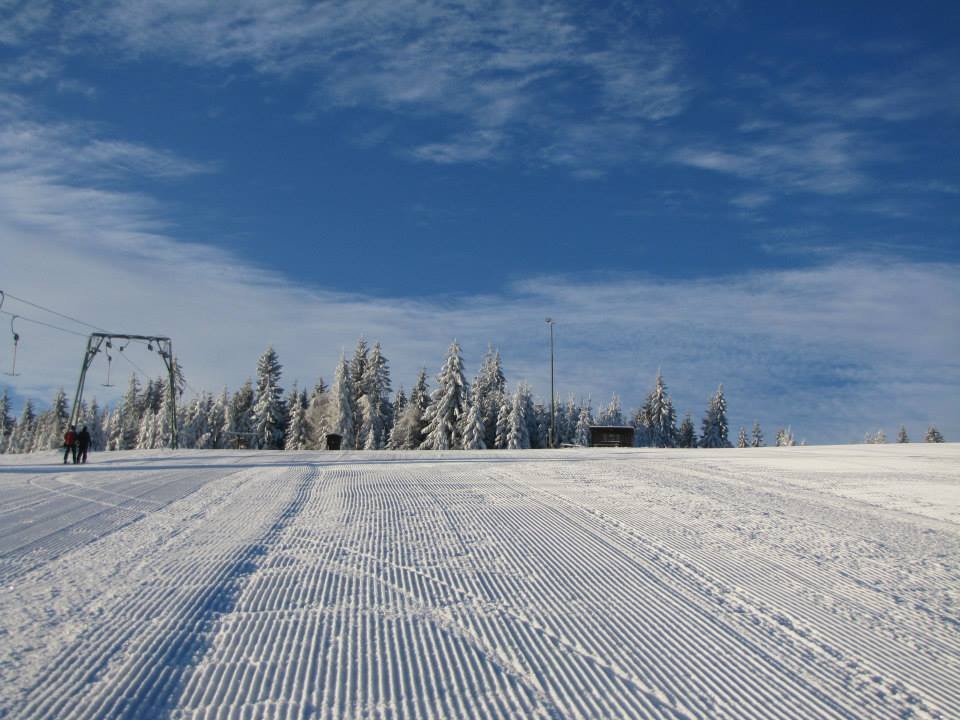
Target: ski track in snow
{"type": "Point", "coordinates": [770, 583]}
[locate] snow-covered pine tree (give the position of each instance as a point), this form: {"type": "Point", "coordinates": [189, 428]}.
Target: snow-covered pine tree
{"type": "Point", "coordinates": [933, 435]}
{"type": "Point", "coordinates": [420, 395]}
{"type": "Point", "coordinates": [407, 433]}
{"type": "Point", "coordinates": [640, 423]}
{"type": "Point", "coordinates": [341, 405]}
{"type": "Point", "coordinates": [269, 410]}
{"type": "Point", "coordinates": [687, 435]}
{"type": "Point", "coordinates": [318, 416]}
{"type": "Point", "coordinates": [448, 404]}
{"type": "Point", "coordinates": [298, 429]}
{"type": "Point", "coordinates": [742, 438]}
{"type": "Point", "coordinates": [399, 401]}
{"type": "Point", "coordinates": [518, 435]}
{"type": "Point", "coordinates": [92, 418]}
{"type": "Point", "coordinates": [612, 414]}
{"type": "Point", "coordinates": [785, 437]}
{"type": "Point", "coordinates": [660, 416]}
{"type": "Point", "coordinates": [147, 434]}
{"type": "Point", "coordinates": [902, 436]}
{"type": "Point", "coordinates": [152, 397]}
{"type": "Point", "coordinates": [503, 422]}
{"type": "Point", "coordinates": [7, 423]}
{"type": "Point", "coordinates": [877, 438]}
{"type": "Point", "coordinates": [54, 426]}
{"type": "Point", "coordinates": [581, 434]}
{"type": "Point", "coordinates": [472, 431]}
{"type": "Point", "coordinates": [164, 421]}
{"type": "Point", "coordinates": [488, 391]}
{"type": "Point", "coordinates": [131, 409]}
{"type": "Point", "coordinates": [115, 429]}
{"type": "Point", "coordinates": [197, 431]}
{"type": "Point", "coordinates": [358, 369]}
{"type": "Point", "coordinates": [376, 410]}
{"type": "Point", "coordinates": [714, 427]}
{"type": "Point", "coordinates": [21, 439]}
{"type": "Point", "coordinates": [756, 435]}
{"type": "Point", "coordinates": [217, 418]}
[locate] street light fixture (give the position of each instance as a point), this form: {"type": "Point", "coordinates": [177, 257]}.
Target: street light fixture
{"type": "Point", "coordinates": [552, 441]}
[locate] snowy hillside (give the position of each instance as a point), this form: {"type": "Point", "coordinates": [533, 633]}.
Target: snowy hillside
{"type": "Point", "coordinates": [777, 582]}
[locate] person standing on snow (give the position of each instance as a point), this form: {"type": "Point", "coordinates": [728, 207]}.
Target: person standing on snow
{"type": "Point", "coordinates": [83, 444]}
{"type": "Point", "coordinates": [70, 444]}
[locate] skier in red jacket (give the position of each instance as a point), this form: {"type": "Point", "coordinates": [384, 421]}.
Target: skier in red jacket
{"type": "Point", "coordinates": [70, 444]}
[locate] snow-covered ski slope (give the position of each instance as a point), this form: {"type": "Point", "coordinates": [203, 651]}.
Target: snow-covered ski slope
{"type": "Point", "coordinates": [770, 583]}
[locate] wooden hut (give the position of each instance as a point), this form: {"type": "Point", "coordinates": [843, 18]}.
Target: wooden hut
{"type": "Point", "coordinates": [611, 436]}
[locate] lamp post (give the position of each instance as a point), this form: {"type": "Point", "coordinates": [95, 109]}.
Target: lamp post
{"type": "Point", "coordinates": [552, 441]}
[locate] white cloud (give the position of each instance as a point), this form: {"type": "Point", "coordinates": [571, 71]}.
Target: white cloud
{"type": "Point", "coordinates": [494, 71]}
{"type": "Point", "coordinates": [820, 158]}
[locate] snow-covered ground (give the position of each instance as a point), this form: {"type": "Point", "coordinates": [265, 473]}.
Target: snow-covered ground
{"type": "Point", "coordinates": [778, 583]}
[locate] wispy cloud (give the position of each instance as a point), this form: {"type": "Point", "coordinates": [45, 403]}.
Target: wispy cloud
{"type": "Point", "coordinates": [495, 71]}
{"type": "Point", "coordinates": [820, 158]}
{"type": "Point", "coordinates": [73, 150]}
{"type": "Point", "coordinates": [19, 19]}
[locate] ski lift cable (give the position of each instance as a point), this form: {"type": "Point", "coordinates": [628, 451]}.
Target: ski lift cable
{"type": "Point", "coordinates": [41, 322]}
{"type": "Point", "coordinates": [52, 312]}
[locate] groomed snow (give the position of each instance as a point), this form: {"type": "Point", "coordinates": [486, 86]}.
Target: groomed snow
{"type": "Point", "coordinates": [818, 582]}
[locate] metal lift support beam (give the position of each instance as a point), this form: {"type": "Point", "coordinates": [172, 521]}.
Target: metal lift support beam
{"type": "Point", "coordinates": [165, 349]}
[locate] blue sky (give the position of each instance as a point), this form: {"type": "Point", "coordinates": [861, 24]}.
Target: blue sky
{"type": "Point", "coordinates": [763, 194]}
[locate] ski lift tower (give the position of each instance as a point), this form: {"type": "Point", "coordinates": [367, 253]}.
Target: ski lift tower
{"type": "Point", "coordinates": [164, 348]}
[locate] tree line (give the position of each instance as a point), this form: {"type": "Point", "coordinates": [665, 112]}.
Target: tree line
{"type": "Point", "coordinates": [363, 409]}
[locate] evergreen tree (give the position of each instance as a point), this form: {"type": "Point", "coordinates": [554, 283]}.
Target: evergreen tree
{"type": "Point", "coordinates": [518, 435]}
{"type": "Point", "coordinates": [659, 416]}
{"type": "Point", "coordinates": [298, 431]}
{"type": "Point", "coordinates": [742, 438]}
{"type": "Point", "coordinates": [147, 434]}
{"type": "Point", "coordinates": [488, 390]}
{"type": "Point", "coordinates": [376, 410]}
{"type": "Point", "coordinates": [21, 439]}
{"type": "Point", "coordinates": [7, 422]}
{"type": "Point", "coordinates": [877, 438]}
{"type": "Point", "coordinates": [399, 402]}
{"type": "Point", "coordinates": [756, 435]}
{"type": "Point", "coordinates": [196, 429]}
{"type": "Point", "coordinates": [687, 435]}
{"type": "Point", "coordinates": [407, 432]}
{"type": "Point", "coordinates": [358, 369]}
{"type": "Point", "coordinates": [341, 404]}
{"type": "Point", "coordinates": [92, 418]}
{"type": "Point", "coordinates": [115, 430]}
{"type": "Point", "coordinates": [448, 404]}
{"type": "Point", "coordinates": [239, 418]}
{"type": "Point", "coordinates": [217, 419]}
{"type": "Point", "coordinates": [504, 414]}
{"type": "Point", "coordinates": [54, 425]}
{"type": "Point", "coordinates": [472, 430]}
{"type": "Point", "coordinates": [165, 421]}
{"type": "Point", "coordinates": [612, 414]}
{"type": "Point", "coordinates": [269, 410]}
{"type": "Point", "coordinates": [785, 437]}
{"type": "Point", "coordinates": [902, 435]}
{"type": "Point", "coordinates": [131, 410]}
{"type": "Point", "coordinates": [640, 421]}
{"type": "Point", "coordinates": [318, 416]}
{"type": "Point", "coordinates": [933, 435]}
{"type": "Point", "coordinates": [714, 426]}
{"type": "Point", "coordinates": [581, 435]}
